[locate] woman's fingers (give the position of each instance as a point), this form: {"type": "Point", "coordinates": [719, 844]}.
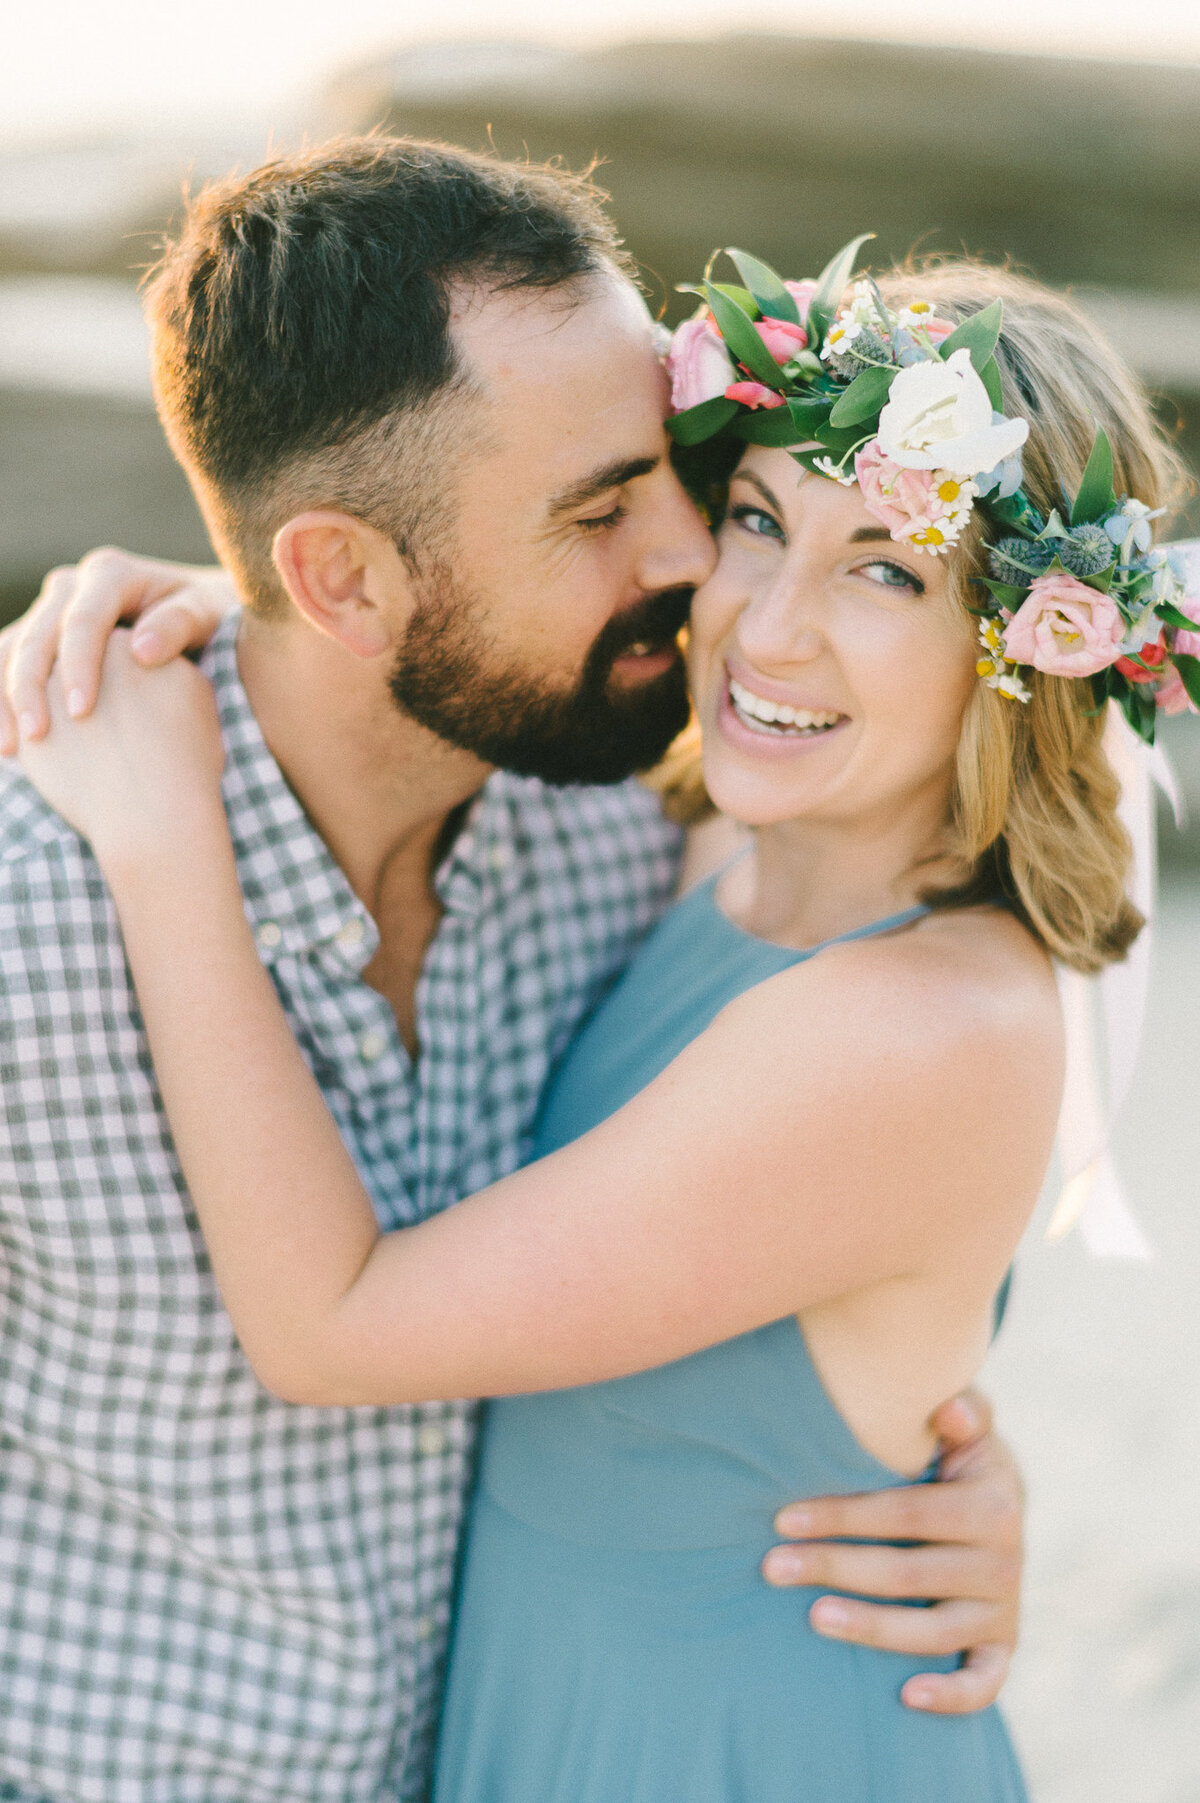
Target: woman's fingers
{"type": "Point", "coordinates": [29, 648]}
{"type": "Point", "coordinates": [175, 607]}
{"type": "Point", "coordinates": [975, 1685]}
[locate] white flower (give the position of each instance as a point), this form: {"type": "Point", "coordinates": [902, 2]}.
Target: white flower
{"type": "Point", "coordinates": [1010, 686]}
{"type": "Point", "coordinates": [842, 334]}
{"type": "Point", "coordinates": [939, 416]}
{"type": "Point", "coordinates": [828, 467]}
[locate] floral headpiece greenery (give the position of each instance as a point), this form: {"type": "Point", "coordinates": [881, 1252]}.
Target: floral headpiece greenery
{"type": "Point", "coordinates": [909, 406]}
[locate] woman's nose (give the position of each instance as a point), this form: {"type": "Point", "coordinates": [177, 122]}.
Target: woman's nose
{"type": "Point", "coordinates": [778, 627]}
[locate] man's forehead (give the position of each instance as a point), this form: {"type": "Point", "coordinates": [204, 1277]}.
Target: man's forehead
{"type": "Point", "coordinates": [594, 325]}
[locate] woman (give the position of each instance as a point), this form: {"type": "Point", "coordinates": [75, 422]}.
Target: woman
{"type": "Point", "coordinates": [783, 1170]}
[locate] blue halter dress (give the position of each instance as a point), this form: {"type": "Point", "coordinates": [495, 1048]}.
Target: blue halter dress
{"type": "Point", "coordinates": [615, 1641]}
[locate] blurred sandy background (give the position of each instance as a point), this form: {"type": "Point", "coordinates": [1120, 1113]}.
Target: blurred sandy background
{"type": "Point", "coordinates": [719, 127]}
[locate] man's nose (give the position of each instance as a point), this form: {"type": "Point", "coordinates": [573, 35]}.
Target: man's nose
{"type": "Point", "coordinates": [678, 548]}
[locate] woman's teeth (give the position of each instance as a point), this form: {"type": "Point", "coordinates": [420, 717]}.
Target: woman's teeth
{"type": "Point", "coordinates": [773, 716]}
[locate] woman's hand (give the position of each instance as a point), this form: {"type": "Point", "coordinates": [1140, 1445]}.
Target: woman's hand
{"type": "Point", "coordinates": [144, 769]}
{"type": "Point", "coordinates": [177, 608]}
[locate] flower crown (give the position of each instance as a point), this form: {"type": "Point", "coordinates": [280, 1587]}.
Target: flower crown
{"type": "Point", "coordinates": [909, 406]}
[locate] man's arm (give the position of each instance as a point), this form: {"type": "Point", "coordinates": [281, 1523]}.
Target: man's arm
{"type": "Point", "coordinates": [967, 1559]}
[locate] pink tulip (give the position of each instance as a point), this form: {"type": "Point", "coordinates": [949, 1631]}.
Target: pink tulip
{"type": "Point", "coordinates": [1065, 628]}
{"type": "Point", "coordinates": [801, 293]}
{"type": "Point", "coordinates": [753, 394]}
{"type": "Point", "coordinates": [938, 330]}
{"type": "Point", "coordinates": [700, 367]}
{"type": "Point", "coordinates": [781, 338]}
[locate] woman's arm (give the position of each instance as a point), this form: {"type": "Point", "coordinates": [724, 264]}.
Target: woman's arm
{"type": "Point", "coordinates": [177, 607]}
{"type": "Point", "coordinates": [752, 1178]}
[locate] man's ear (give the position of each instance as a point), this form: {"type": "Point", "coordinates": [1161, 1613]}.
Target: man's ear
{"type": "Point", "coordinates": [346, 578]}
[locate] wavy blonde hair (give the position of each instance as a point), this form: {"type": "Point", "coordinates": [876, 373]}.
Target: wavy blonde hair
{"type": "Point", "coordinates": [1033, 813]}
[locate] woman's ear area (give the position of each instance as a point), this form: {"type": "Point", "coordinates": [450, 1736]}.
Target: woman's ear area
{"type": "Point", "coordinates": [346, 578]}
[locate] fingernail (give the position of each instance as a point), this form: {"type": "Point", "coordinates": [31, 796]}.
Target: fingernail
{"type": "Point", "coordinates": [784, 1565]}
{"type": "Point", "coordinates": [829, 1616]}
{"type": "Point", "coordinates": [793, 1520]}
{"type": "Point", "coordinates": [27, 725]}
{"type": "Point", "coordinates": [76, 703]}
{"type": "Point", "coordinates": [145, 644]}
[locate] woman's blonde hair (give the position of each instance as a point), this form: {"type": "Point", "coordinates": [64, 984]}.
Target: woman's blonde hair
{"type": "Point", "coordinates": [1033, 808]}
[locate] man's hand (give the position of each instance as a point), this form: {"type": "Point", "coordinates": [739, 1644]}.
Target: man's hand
{"type": "Point", "coordinates": [968, 1561]}
{"type": "Point", "coordinates": [177, 608]}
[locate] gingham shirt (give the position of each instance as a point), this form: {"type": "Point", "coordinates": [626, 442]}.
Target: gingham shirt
{"type": "Point", "coordinates": [208, 1595]}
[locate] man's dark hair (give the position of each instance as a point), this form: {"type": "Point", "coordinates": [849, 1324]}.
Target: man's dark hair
{"type": "Point", "coordinates": [301, 318]}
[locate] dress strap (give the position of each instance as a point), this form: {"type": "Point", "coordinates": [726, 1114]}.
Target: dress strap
{"type": "Point", "coordinates": [891, 925]}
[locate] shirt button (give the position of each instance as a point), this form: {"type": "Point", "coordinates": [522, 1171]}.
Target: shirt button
{"type": "Point", "coordinates": [350, 936]}
{"type": "Point", "coordinates": [269, 935]}
{"type": "Point", "coordinates": [431, 1440]}
{"type": "Point", "coordinates": [373, 1045]}
{"type": "Point", "coordinates": [424, 1627]}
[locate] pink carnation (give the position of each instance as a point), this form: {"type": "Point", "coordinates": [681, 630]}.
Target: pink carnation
{"type": "Point", "coordinates": [801, 293]}
{"type": "Point", "coordinates": [1171, 696]}
{"type": "Point", "coordinates": [781, 338]}
{"type": "Point", "coordinates": [753, 394]}
{"type": "Point", "coordinates": [896, 497]}
{"type": "Point", "coordinates": [1065, 628]}
{"type": "Point", "coordinates": [700, 367]}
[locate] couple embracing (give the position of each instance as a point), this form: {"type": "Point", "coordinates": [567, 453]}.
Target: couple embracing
{"type": "Point", "coordinates": [372, 1039]}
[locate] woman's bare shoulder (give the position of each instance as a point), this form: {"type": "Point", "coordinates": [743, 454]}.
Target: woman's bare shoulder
{"type": "Point", "coordinates": [963, 1003]}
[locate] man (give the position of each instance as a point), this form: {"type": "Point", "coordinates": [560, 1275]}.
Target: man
{"type": "Point", "coordinates": [417, 396]}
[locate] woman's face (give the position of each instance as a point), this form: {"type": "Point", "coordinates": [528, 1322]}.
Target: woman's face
{"type": "Point", "coordinates": [829, 668]}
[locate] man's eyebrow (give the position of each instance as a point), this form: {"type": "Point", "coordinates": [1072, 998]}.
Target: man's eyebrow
{"type": "Point", "coordinates": [599, 482]}
{"type": "Point", "coordinates": [870, 535]}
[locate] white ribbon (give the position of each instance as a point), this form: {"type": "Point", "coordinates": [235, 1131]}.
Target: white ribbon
{"type": "Point", "coordinates": [1104, 1017]}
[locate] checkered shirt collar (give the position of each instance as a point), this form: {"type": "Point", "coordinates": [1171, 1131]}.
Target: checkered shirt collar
{"type": "Point", "coordinates": [296, 895]}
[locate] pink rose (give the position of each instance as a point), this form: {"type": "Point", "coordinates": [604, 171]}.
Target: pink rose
{"type": "Point", "coordinates": [1065, 628]}
{"type": "Point", "coordinates": [801, 293]}
{"type": "Point", "coordinates": [1171, 696]}
{"type": "Point", "coordinates": [781, 338]}
{"type": "Point", "coordinates": [1188, 643]}
{"type": "Point", "coordinates": [1153, 654]}
{"type": "Point", "coordinates": [753, 394]}
{"type": "Point", "coordinates": [699, 365]}
{"type": "Point", "coordinates": [895, 496]}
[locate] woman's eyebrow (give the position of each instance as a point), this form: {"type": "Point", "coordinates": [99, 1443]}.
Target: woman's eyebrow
{"type": "Point", "coordinates": [757, 482]}
{"type": "Point", "coordinates": [870, 535]}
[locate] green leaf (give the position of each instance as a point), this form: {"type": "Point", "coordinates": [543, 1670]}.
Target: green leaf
{"type": "Point", "coordinates": [698, 423]}
{"type": "Point", "coordinates": [743, 341]}
{"type": "Point", "coordinates": [979, 334]}
{"type": "Point", "coordinates": [1006, 593]}
{"type": "Point", "coordinates": [989, 375]}
{"type": "Point", "coordinates": [1140, 709]}
{"type": "Point", "coordinates": [1172, 617]}
{"type": "Point", "coordinates": [742, 296]}
{"type": "Point", "coordinates": [1189, 669]}
{"type": "Point", "coordinates": [1095, 497]}
{"type": "Point", "coordinates": [864, 397]}
{"type": "Point", "coordinates": [839, 442]}
{"type": "Point", "coordinates": [770, 426]}
{"type": "Point", "coordinates": [809, 415]}
{"type": "Point", "coordinates": [830, 283]}
{"type": "Point", "coordinates": [766, 287]}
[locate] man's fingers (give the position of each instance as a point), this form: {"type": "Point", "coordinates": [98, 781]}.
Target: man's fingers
{"type": "Point", "coordinates": [937, 1632]}
{"type": "Point", "coordinates": [975, 1685]}
{"type": "Point", "coordinates": [180, 623]}
{"type": "Point", "coordinates": [965, 1511]}
{"type": "Point", "coordinates": [30, 658]}
{"type": "Point", "coordinates": [963, 1419]}
{"type": "Point", "coordinates": [940, 1570]}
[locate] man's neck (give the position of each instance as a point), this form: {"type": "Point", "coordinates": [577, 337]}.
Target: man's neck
{"type": "Point", "coordinates": [381, 790]}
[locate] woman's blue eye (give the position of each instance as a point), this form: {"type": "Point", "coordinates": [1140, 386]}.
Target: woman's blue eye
{"type": "Point", "coordinates": [758, 521]}
{"type": "Point", "coordinates": [892, 575]}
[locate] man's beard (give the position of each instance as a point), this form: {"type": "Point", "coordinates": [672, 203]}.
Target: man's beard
{"type": "Point", "coordinates": [597, 732]}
